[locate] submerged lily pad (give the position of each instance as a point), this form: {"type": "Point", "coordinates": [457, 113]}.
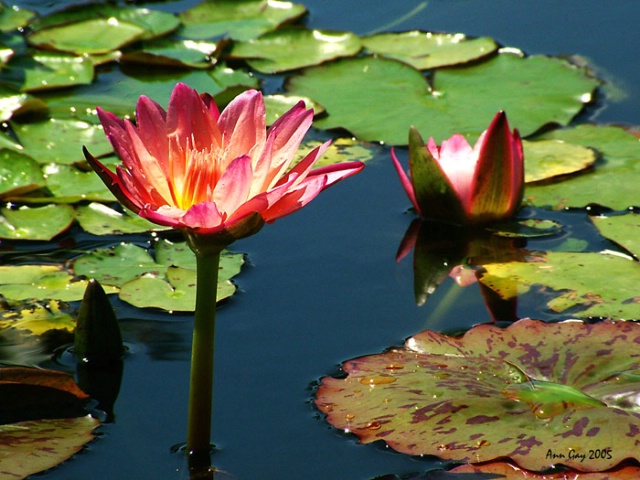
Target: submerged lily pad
{"type": "Point", "coordinates": [618, 170]}
{"type": "Point", "coordinates": [574, 281]}
{"type": "Point", "coordinates": [293, 48]}
{"type": "Point", "coordinates": [38, 319]}
{"type": "Point", "coordinates": [518, 392]}
{"type": "Point", "coordinates": [534, 90]}
{"type": "Point", "coordinates": [425, 50]}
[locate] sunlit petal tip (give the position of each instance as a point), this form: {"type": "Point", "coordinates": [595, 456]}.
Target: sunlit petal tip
{"type": "Point", "coordinates": [405, 181]}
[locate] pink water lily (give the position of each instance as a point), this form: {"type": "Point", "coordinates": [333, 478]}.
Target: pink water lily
{"type": "Point", "coordinates": [210, 172]}
{"type": "Point", "coordinates": [459, 184]}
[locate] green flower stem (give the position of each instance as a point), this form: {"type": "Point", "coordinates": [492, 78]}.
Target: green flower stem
{"type": "Point", "coordinates": [201, 384]}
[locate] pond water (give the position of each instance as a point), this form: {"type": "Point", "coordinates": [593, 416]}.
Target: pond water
{"type": "Point", "coordinates": [323, 286]}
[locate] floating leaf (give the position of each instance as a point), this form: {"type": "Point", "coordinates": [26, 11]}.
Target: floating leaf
{"type": "Point", "coordinates": [237, 19]}
{"type": "Point", "coordinates": [293, 48]}
{"type": "Point", "coordinates": [622, 229]}
{"type": "Point", "coordinates": [534, 90]}
{"type": "Point", "coordinates": [15, 104]}
{"type": "Point", "coordinates": [497, 470]}
{"type": "Point", "coordinates": [19, 174]}
{"type": "Point", "coordinates": [277, 105]}
{"type": "Point", "coordinates": [68, 184]}
{"type": "Point", "coordinates": [39, 223]}
{"type": "Point", "coordinates": [99, 219]}
{"type": "Point", "coordinates": [620, 165]}
{"type": "Point", "coordinates": [175, 53]}
{"type": "Point", "coordinates": [537, 393]}
{"type": "Point", "coordinates": [155, 23]}
{"type": "Point", "coordinates": [23, 282]}
{"type": "Point", "coordinates": [168, 282]}
{"type": "Point", "coordinates": [94, 36]}
{"type": "Point", "coordinates": [577, 282]}
{"type": "Point", "coordinates": [61, 141]}
{"type": "Point", "coordinates": [547, 159]}
{"type": "Point", "coordinates": [425, 50]}
{"type": "Point", "coordinates": [340, 150]}
{"type": "Point", "coordinates": [46, 70]}
{"type": "Point", "coordinates": [38, 319]}
{"type": "Point", "coordinates": [12, 18]}
{"type": "Point", "coordinates": [528, 228]}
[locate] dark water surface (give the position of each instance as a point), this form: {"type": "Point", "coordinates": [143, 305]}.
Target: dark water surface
{"type": "Point", "coordinates": [323, 286]}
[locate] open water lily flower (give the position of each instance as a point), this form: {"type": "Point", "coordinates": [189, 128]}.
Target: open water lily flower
{"type": "Point", "coordinates": [459, 184]}
{"type": "Point", "coordinates": [214, 173]}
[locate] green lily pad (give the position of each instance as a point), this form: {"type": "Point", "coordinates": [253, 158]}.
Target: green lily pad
{"type": "Point", "coordinates": [508, 471]}
{"type": "Point", "coordinates": [60, 141]}
{"type": "Point", "coordinates": [528, 228]}
{"type": "Point", "coordinates": [118, 93]}
{"type": "Point", "coordinates": [39, 223]}
{"type": "Point", "coordinates": [293, 48]}
{"type": "Point", "coordinates": [168, 282]}
{"type": "Point", "coordinates": [47, 70]}
{"type": "Point", "coordinates": [38, 319]}
{"type": "Point", "coordinates": [16, 104]}
{"type": "Point", "coordinates": [42, 282]}
{"type": "Point", "coordinates": [548, 159]}
{"type": "Point", "coordinates": [574, 281]}
{"type": "Point", "coordinates": [19, 174]}
{"type": "Point", "coordinates": [175, 53]}
{"type": "Point", "coordinates": [426, 50]}
{"type": "Point", "coordinates": [518, 392]}
{"type": "Point", "coordinates": [534, 90]}
{"type": "Point", "coordinates": [99, 219]}
{"type": "Point", "coordinates": [12, 18]}
{"type": "Point", "coordinates": [237, 19]}
{"type": "Point", "coordinates": [277, 105]}
{"type": "Point", "coordinates": [94, 36]}
{"type": "Point", "coordinates": [622, 229]}
{"type": "Point", "coordinates": [340, 150]}
{"type": "Point", "coordinates": [619, 166]}
{"type": "Point", "coordinates": [68, 184]}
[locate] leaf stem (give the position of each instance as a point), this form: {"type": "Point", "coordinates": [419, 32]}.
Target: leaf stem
{"type": "Point", "coordinates": [202, 354]}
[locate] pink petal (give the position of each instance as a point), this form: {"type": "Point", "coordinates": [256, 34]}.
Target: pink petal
{"type": "Point", "coordinates": [203, 215]}
{"type": "Point", "coordinates": [405, 182]}
{"type": "Point", "coordinates": [188, 118]}
{"type": "Point", "coordinates": [234, 185]}
{"type": "Point", "coordinates": [114, 129]}
{"type": "Point", "coordinates": [152, 129]}
{"type": "Point", "coordinates": [161, 216]}
{"type": "Point", "coordinates": [458, 162]}
{"type": "Point", "coordinates": [296, 199]}
{"type": "Point", "coordinates": [243, 126]}
{"type": "Point", "coordinates": [409, 240]}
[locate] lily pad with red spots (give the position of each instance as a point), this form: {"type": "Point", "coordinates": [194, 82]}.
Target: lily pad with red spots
{"type": "Point", "coordinates": [518, 392]}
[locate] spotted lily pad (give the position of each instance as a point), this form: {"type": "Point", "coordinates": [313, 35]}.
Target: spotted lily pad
{"type": "Point", "coordinates": [237, 19]}
{"type": "Point", "coordinates": [619, 166]}
{"type": "Point", "coordinates": [99, 219]}
{"type": "Point", "coordinates": [540, 394]}
{"type": "Point", "coordinates": [293, 48]}
{"type": "Point", "coordinates": [505, 470]}
{"type": "Point", "coordinates": [425, 50]}
{"type": "Point", "coordinates": [534, 90]}
{"type": "Point", "coordinates": [574, 281]}
{"type": "Point", "coordinates": [38, 318]}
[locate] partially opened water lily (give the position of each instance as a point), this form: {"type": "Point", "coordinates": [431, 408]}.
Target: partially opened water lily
{"type": "Point", "coordinates": [217, 176]}
{"type": "Point", "coordinates": [459, 184]}
{"type": "Point", "coordinates": [214, 173]}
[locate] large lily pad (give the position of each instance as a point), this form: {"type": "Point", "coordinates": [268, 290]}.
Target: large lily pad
{"type": "Point", "coordinates": [99, 219]}
{"type": "Point", "coordinates": [534, 90]}
{"type": "Point", "coordinates": [573, 281]}
{"type": "Point", "coordinates": [93, 36]}
{"type": "Point", "coordinates": [237, 19]}
{"type": "Point", "coordinates": [175, 53]}
{"type": "Point", "coordinates": [13, 104]}
{"type": "Point", "coordinates": [619, 167]}
{"type": "Point", "coordinates": [425, 50]}
{"type": "Point", "coordinates": [292, 48]}
{"type": "Point", "coordinates": [622, 229]}
{"type": "Point", "coordinates": [548, 159]}
{"type": "Point", "coordinates": [19, 174]}
{"type": "Point", "coordinates": [540, 394]}
{"type": "Point", "coordinates": [497, 470]}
